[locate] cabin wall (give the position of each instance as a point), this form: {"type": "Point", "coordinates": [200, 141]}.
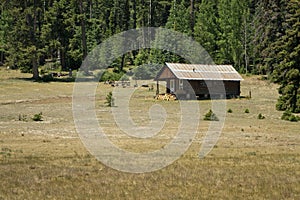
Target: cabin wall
{"type": "Point", "coordinates": [202, 88]}
{"type": "Point", "coordinates": [168, 89]}
{"type": "Point", "coordinates": [206, 88]}
{"type": "Point", "coordinates": [232, 88]}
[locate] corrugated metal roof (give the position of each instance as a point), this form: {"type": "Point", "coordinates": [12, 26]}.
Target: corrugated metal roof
{"type": "Point", "coordinates": [204, 72]}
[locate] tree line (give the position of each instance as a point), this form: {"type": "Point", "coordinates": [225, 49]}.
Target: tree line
{"type": "Point", "coordinates": [255, 36]}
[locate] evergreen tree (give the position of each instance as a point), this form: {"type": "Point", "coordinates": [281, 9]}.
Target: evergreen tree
{"type": "Point", "coordinates": [237, 24]}
{"type": "Point", "coordinates": [179, 18]}
{"type": "Point", "coordinates": [4, 27]}
{"type": "Point", "coordinates": [268, 27]}
{"type": "Point", "coordinates": [255, 35]}
{"type": "Point", "coordinates": [206, 29]}
{"type": "Point", "coordinates": [224, 55]}
{"type": "Point", "coordinates": [23, 35]}
{"type": "Point", "coordinates": [287, 69]}
{"type": "Point", "coordinates": [59, 30]}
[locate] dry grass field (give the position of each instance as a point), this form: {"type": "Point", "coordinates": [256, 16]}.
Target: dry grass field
{"type": "Point", "coordinates": [253, 159]}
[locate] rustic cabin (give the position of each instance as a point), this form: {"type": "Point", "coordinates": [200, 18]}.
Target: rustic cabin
{"type": "Point", "coordinates": [188, 81]}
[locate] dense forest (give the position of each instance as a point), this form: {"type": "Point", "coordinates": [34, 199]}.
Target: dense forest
{"type": "Point", "coordinates": [255, 36]}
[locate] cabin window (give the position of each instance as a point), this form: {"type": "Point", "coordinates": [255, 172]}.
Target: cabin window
{"type": "Point", "coordinates": [180, 84]}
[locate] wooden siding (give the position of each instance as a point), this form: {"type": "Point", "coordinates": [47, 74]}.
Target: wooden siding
{"type": "Point", "coordinates": [166, 74]}
{"type": "Point", "coordinates": [206, 88]}
{"type": "Point", "coordinates": [201, 80]}
{"type": "Point", "coordinates": [216, 87]}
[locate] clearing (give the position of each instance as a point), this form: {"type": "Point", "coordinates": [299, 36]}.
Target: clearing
{"type": "Point", "coordinates": [253, 159]}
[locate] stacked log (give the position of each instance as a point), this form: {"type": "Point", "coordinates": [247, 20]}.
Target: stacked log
{"type": "Point", "coordinates": [166, 97]}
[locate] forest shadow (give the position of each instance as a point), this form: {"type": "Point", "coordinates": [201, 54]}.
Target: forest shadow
{"type": "Point", "coordinates": [48, 80]}
{"type": "Point", "coordinates": [62, 79]}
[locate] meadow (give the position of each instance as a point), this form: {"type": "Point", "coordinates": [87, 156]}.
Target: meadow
{"type": "Point", "coordinates": [253, 158]}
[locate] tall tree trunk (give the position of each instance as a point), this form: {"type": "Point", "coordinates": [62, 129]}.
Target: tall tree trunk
{"type": "Point", "coordinates": [134, 25]}
{"type": "Point", "coordinates": [35, 70]}
{"type": "Point", "coordinates": [245, 45]}
{"type": "Point", "coordinates": [123, 62]}
{"type": "Point", "coordinates": [1, 57]}
{"type": "Point", "coordinates": [83, 34]}
{"type": "Point", "coordinates": [134, 18]}
{"type": "Point", "coordinates": [192, 22]}
{"type": "Point", "coordinates": [62, 57]}
{"type": "Point", "coordinates": [150, 14]}
{"type": "Point", "coordinates": [91, 9]}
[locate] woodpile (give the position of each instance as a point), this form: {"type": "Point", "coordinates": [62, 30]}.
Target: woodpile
{"type": "Point", "coordinates": [166, 97]}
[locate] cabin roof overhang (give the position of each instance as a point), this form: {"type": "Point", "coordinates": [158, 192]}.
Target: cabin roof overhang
{"type": "Point", "coordinates": [198, 72]}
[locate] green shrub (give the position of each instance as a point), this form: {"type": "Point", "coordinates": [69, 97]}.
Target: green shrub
{"type": "Point", "coordinates": [47, 78]}
{"type": "Point", "coordinates": [287, 115]}
{"type": "Point", "coordinates": [281, 105]}
{"type": "Point", "coordinates": [210, 116]}
{"type": "Point", "coordinates": [293, 118]}
{"type": "Point", "coordinates": [43, 72]}
{"type": "Point", "coordinates": [110, 100]}
{"type": "Point", "coordinates": [38, 117]}
{"type": "Point", "coordinates": [229, 110]}
{"type": "Point", "coordinates": [111, 76]}
{"type": "Point", "coordinates": [260, 116]}
{"type": "Point", "coordinates": [247, 111]}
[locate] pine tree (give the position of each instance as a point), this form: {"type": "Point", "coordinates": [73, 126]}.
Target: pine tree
{"type": "Point", "coordinates": [268, 27]}
{"type": "Point", "coordinates": [4, 27]}
{"type": "Point", "coordinates": [237, 23]}
{"type": "Point", "coordinates": [206, 28]}
{"type": "Point", "coordinates": [58, 33]}
{"type": "Point", "coordinates": [287, 69]}
{"type": "Point", "coordinates": [224, 55]}
{"type": "Point", "coordinates": [179, 18]}
{"type": "Point", "coordinates": [23, 35]}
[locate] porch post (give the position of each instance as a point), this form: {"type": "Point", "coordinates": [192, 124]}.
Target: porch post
{"type": "Point", "coordinates": [157, 88]}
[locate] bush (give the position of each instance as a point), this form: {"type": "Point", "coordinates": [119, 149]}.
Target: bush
{"type": "Point", "coordinates": [38, 117]}
{"type": "Point", "coordinates": [229, 110]}
{"type": "Point", "coordinates": [110, 100]}
{"type": "Point", "coordinates": [294, 118]}
{"type": "Point", "coordinates": [210, 116]}
{"type": "Point", "coordinates": [247, 111]}
{"type": "Point", "coordinates": [260, 116]}
{"type": "Point", "coordinates": [47, 78]}
{"type": "Point", "coordinates": [111, 76]}
{"type": "Point", "coordinates": [288, 116]}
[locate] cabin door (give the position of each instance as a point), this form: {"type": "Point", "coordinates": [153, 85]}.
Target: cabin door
{"type": "Point", "coordinates": [172, 85]}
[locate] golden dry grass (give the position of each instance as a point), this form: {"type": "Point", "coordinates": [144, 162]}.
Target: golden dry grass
{"type": "Point", "coordinates": [253, 159]}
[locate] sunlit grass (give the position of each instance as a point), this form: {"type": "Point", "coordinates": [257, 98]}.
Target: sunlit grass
{"type": "Point", "coordinates": [253, 159]}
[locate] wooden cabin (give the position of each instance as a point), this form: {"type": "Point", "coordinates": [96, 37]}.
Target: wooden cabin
{"type": "Point", "coordinates": [189, 81]}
